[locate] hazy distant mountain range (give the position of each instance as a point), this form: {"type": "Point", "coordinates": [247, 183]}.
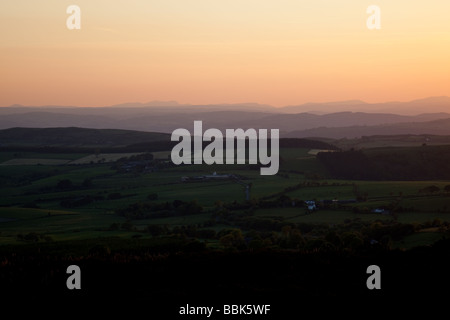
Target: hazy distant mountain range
{"type": "Point", "coordinates": [415, 107]}
{"type": "Point", "coordinates": [334, 120]}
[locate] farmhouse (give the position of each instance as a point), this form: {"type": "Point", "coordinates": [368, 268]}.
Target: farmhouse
{"type": "Point", "coordinates": [311, 205]}
{"type": "Point", "coordinates": [380, 210]}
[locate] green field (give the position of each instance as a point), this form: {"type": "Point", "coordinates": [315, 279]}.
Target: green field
{"type": "Point", "coordinates": [33, 200]}
{"type": "Point", "coordinates": [330, 217]}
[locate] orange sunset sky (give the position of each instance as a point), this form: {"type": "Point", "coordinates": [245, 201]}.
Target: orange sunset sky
{"type": "Point", "coordinates": [281, 52]}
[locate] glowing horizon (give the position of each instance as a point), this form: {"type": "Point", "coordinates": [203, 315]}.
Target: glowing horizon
{"type": "Point", "coordinates": [209, 52]}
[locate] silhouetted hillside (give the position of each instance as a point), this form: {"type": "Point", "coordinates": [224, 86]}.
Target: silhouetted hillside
{"type": "Point", "coordinates": [76, 137]}
{"type": "Point", "coordinates": [83, 140]}
{"type": "Point", "coordinates": [412, 163]}
{"type": "Point", "coordinates": [435, 127]}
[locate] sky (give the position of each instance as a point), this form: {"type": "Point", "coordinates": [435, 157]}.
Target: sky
{"type": "Point", "coordinates": [277, 52]}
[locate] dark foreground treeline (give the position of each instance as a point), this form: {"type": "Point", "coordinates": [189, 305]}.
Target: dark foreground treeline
{"type": "Point", "coordinates": [159, 272]}
{"type": "Point", "coordinates": [418, 163]}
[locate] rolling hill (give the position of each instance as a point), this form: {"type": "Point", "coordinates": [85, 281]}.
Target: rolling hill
{"type": "Point", "coordinates": [40, 139]}
{"type": "Point", "coordinates": [436, 127]}
{"type": "Point", "coordinates": [76, 137]}
{"type": "Point", "coordinates": [340, 120]}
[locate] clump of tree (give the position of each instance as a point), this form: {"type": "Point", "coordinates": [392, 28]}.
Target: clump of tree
{"type": "Point", "coordinates": [291, 238]}
{"type": "Point", "coordinates": [348, 165]}
{"type": "Point", "coordinates": [79, 201]}
{"type": "Point", "coordinates": [232, 238]}
{"type": "Point", "coordinates": [135, 163]}
{"type": "Point", "coordinates": [34, 237]}
{"type": "Point", "coordinates": [147, 210]}
{"type": "Point", "coordinates": [411, 163]}
{"type": "Point", "coordinates": [69, 185]}
{"type": "Point", "coordinates": [430, 189]}
{"type": "Point", "coordinates": [157, 230]}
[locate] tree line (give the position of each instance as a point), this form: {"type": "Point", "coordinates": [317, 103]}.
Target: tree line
{"type": "Point", "coordinates": [420, 163]}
